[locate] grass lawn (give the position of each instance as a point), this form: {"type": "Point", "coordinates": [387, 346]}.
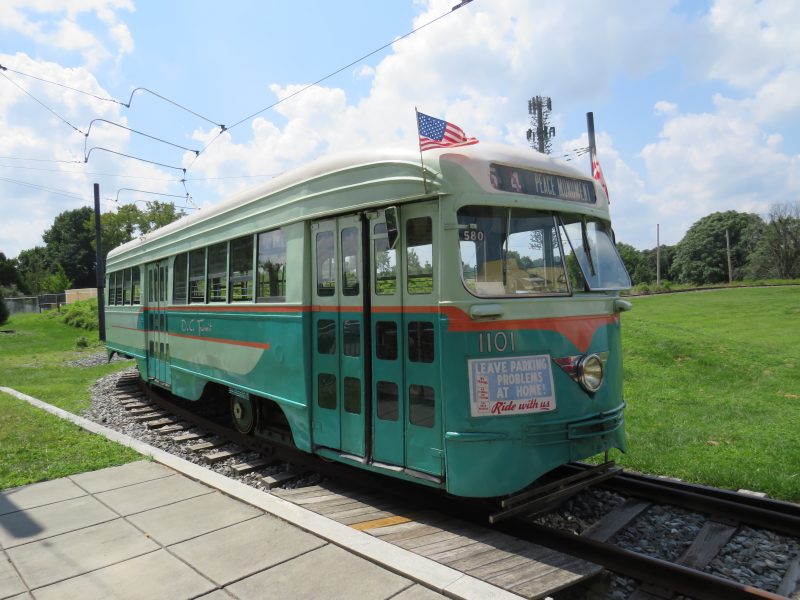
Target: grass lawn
{"type": "Point", "coordinates": [34, 445]}
{"type": "Point", "coordinates": [712, 381]}
{"type": "Point", "coordinates": [37, 446]}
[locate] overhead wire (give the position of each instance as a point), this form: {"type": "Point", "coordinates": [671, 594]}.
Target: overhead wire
{"type": "Point", "coordinates": [221, 126]}
{"type": "Point", "coordinates": [328, 76]}
{"type": "Point", "coordinates": [57, 191]}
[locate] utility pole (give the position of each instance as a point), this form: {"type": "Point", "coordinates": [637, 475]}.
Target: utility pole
{"type": "Point", "coordinates": [99, 270]}
{"type": "Point", "coordinates": [658, 255]}
{"type": "Point", "coordinates": [728, 251]}
{"type": "Point", "coordinates": [539, 108]}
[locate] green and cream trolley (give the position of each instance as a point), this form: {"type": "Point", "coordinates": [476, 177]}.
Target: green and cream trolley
{"type": "Point", "coordinates": [456, 326]}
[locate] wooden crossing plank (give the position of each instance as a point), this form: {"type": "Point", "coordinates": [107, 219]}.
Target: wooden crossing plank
{"type": "Point", "coordinates": [555, 580]}
{"type": "Point", "coordinates": [409, 533]}
{"type": "Point", "coordinates": [356, 518]}
{"type": "Point", "coordinates": [478, 544]}
{"type": "Point", "coordinates": [380, 523]}
{"type": "Point", "coordinates": [533, 553]}
{"type": "Point", "coordinates": [616, 520]}
{"type": "Point", "coordinates": [311, 491]}
{"type": "Point", "coordinates": [495, 552]}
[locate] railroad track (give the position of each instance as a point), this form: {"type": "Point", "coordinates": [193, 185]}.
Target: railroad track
{"type": "Point", "coordinates": [726, 511]}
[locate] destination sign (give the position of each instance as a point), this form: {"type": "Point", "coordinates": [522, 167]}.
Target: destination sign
{"type": "Point", "coordinates": [511, 385]}
{"type": "Point", "coordinates": [535, 183]}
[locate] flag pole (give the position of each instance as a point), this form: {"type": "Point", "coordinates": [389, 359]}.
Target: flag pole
{"type": "Point", "coordinates": [421, 163]}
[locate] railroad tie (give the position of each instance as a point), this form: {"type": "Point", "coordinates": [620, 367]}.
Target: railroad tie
{"type": "Point", "coordinates": [206, 445]}
{"type": "Point", "coordinates": [276, 479]}
{"type": "Point", "coordinates": [243, 468]}
{"type": "Point", "coordinates": [188, 437]}
{"type": "Point", "coordinates": [172, 428]}
{"type": "Point", "coordinates": [215, 457]}
{"type": "Point", "coordinates": [149, 416]}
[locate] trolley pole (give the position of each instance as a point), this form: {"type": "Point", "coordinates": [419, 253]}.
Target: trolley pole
{"type": "Point", "coordinates": [658, 254]}
{"type": "Point", "coordinates": [99, 270]}
{"type": "Point", "coordinates": [728, 252]}
{"type": "Point", "coordinates": [590, 132]}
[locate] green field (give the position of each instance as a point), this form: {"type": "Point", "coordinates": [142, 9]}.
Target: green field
{"type": "Point", "coordinates": [712, 381]}
{"type": "Point", "coordinates": [35, 445]}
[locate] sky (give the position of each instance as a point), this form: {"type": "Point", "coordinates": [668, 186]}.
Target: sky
{"type": "Point", "coordinates": [695, 103]}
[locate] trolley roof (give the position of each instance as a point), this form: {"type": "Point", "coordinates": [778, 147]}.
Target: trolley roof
{"type": "Point", "coordinates": [397, 170]}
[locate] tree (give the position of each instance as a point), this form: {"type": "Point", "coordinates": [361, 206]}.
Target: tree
{"type": "Point", "coordinates": [157, 215]}
{"type": "Point", "coordinates": [631, 257]}
{"type": "Point", "coordinates": [778, 252]}
{"type": "Point", "coordinates": [69, 243]}
{"type": "Point", "coordinates": [9, 275]}
{"type": "Point", "coordinates": [34, 269]}
{"type": "Point", "coordinates": [700, 257]}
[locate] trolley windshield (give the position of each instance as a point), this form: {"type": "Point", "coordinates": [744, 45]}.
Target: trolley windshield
{"type": "Point", "coordinates": [510, 251]}
{"type": "Point", "coordinates": [593, 247]}
{"type": "Point", "coordinates": [523, 252]}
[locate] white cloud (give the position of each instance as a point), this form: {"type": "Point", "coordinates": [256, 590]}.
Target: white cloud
{"type": "Point", "coordinates": [55, 24]}
{"type": "Point", "coordinates": [709, 162]}
{"type": "Point", "coordinates": [662, 107]}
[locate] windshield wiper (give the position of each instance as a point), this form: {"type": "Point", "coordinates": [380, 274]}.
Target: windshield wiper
{"type": "Point", "coordinates": [586, 248]}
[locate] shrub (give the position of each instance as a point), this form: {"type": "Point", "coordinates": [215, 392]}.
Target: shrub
{"type": "Point", "coordinates": [81, 314]}
{"type": "Point", "coordinates": [82, 342]}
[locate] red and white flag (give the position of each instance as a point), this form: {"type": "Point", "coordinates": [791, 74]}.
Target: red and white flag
{"type": "Point", "coordinates": [597, 173]}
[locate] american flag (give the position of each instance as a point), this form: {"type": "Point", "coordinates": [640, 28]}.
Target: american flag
{"type": "Point", "coordinates": [435, 133]}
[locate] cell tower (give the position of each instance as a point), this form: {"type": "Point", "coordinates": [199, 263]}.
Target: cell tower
{"type": "Point", "coordinates": [540, 133]}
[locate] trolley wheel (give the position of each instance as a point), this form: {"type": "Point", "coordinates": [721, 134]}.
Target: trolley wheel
{"type": "Point", "coordinates": [243, 414]}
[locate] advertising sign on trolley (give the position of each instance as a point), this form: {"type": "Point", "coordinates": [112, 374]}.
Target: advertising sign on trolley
{"type": "Point", "coordinates": [511, 386]}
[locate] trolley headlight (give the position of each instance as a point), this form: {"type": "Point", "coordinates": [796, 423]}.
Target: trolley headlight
{"type": "Point", "coordinates": [590, 372]}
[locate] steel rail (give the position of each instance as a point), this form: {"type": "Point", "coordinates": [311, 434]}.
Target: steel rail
{"type": "Point", "coordinates": [654, 571]}
{"type": "Point", "coordinates": [776, 515]}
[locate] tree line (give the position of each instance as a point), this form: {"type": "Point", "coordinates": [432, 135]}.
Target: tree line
{"type": "Point", "coordinates": [760, 249]}
{"type": "Point", "coordinates": [68, 258]}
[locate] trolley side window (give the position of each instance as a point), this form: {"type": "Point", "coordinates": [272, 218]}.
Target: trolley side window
{"type": "Point", "coordinates": [179, 281]}
{"type": "Point", "coordinates": [352, 395]}
{"type": "Point", "coordinates": [137, 286]}
{"type": "Point", "coordinates": [385, 263]}
{"type": "Point", "coordinates": [242, 269]}
{"type": "Point", "coordinates": [271, 286]}
{"type": "Point", "coordinates": [118, 288]}
{"type": "Point", "coordinates": [326, 264]}
{"type": "Point", "coordinates": [350, 255]}
{"type": "Point", "coordinates": [110, 287]}
{"type": "Point", "coordinates": [197, 275]}
{"type": "Point", "coordinates": [419, 255]}
{"type": "Point", "coordinates": [127, 286]}
{"type": "Point", "coordinates": [218, 272]}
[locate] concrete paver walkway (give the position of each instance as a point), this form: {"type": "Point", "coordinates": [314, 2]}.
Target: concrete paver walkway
{"type": "Point", "coordinates": [143, 530]}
